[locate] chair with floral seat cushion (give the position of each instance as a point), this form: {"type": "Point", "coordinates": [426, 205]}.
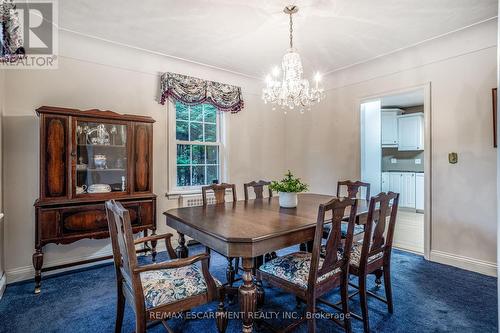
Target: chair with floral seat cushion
{"type": "Point", "coordinates": [373, 254]}
{"type": "Point", "coordinates": [309, 276]}
{"type": "Point", "coordinates": [219, 191]}
{"type": "Point", "coordinates": [157, 291]}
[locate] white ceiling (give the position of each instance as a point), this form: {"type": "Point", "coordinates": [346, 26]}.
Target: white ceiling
{"type": "Point", "coordinates": [250, 37]}
{"type": "Point", "coordinates": [406, 99]}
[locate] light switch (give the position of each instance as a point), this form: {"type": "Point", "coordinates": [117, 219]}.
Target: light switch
{"type": "Point", "coordinates": [453, 158]}
{"type": "Point", "coordinates": [394, 160]}
{"type": "Point", "coordinates": [418, 161]}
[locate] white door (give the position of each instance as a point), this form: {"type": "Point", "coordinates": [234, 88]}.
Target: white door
{"type": "Point", "coordinates": [410, 132]}
{"type": "Point", "coordinates": [395, 183]}
{"type": "Point", "coordinates": [385, 182]}
{"type": "Point", "coordinates": [371, 147]}
{"type": "Point", "coordinates": [389, 128]}
{"type": "Point", "coordinates": [419, 191]}
{"type": "Point", "coordinates": [408, 189]}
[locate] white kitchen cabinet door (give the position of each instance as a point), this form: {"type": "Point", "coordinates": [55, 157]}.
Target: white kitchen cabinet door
{"type": "Point", "coordinates": [390, 127]}
{"type": "Point", "coordinates": [408, 190]}
{"type": "Point", "coordinates": [385, 182]}
{"type": "Point", "coordinates": [419, 191]}
{"type": "Point", "coordinates": [395, 182]}
{"type": "Point", "coordinates": [411, 132]}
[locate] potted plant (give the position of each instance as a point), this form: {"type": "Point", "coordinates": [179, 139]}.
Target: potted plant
{"type": "Point", "coordinates": [287, 189]}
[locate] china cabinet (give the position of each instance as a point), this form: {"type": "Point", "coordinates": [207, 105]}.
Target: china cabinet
{"type": "Point", "coordinates": [86, 158]}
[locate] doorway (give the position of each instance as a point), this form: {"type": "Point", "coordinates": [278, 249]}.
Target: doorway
{"type": "Point", "coordinates": [395, 156]}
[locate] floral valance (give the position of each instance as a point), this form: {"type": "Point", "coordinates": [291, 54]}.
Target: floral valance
{"type": "Point", "coordinates": [193, 91]}
{"type": "Point", "coordinates": [11, 43]}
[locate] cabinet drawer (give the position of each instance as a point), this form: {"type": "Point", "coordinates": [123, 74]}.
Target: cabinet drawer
{"type": "Point", "coordinates": [84, 221]}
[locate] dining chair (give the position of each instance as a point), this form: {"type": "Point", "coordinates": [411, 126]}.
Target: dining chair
{"type": "Point", "coordinates": [219, 191]}
{"type": "Point", "coordinates": [158, 291]}
{"type": "Point", "coordinates": [308, 275]}
{"type": "Point", "coordinates": [372, 255]}
{"type": "Point", "coordinates": [258, 189]}
{"type": "Point", "coordinates": [353, 188]}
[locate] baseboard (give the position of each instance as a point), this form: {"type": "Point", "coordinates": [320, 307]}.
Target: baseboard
{"type": "Point", "coordinates": [3, 284]}
{"type": "Point", "coordinates": [408, 248]}
{"type": "Point", "coordinates": [25, 273]}
{"type": "Point", "coordinates": [470, 264]}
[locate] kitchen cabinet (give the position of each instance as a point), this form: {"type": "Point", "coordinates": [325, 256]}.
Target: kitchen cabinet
{"type": "Point", "coordinates": [411, 132]}
{"type": "Point", "coordinates": [409, 185]}
{"type": "Point", "coordinates": [419, 191]}
{"type": "Point", "coordinates": [389, 120]}
{"type": "Point", "coordinates": [385, 182]}
{"type": "Point", "coordinates": [396, 182]}
{"type": "Point", "coordinates": [407, 189]}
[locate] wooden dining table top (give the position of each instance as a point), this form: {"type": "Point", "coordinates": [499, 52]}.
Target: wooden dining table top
{"type": "Point", "coordinates": [246, 223]}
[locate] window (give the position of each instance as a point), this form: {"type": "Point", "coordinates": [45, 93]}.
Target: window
{"type": "Point", "coordinates": [197, 146]}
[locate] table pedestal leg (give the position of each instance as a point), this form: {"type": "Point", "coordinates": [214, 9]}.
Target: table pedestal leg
{"type": "Point", "coordinates": [248, 295]}
{"type": "Point", "coordinates": [181, 249]}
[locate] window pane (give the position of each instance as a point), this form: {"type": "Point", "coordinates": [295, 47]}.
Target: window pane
{"type": "Point", "coordinates": [212, 173]}
{"type": "Point", "coordinates": [210, 133]}
{"type": "Point", "coordinates": [183, 154]}
{"type": "Point", "coordinates": [181, 111]}
{"type": "Point", "coordinates": [199, 175]}
{"type": "Point", "coordinates": [183, 176]}
{"type": "Point", "coordinates": [196, 131]}
{"type": "Point", "coordinates": [181, 130]}
{"type": "Point", "coordinates": [197, 113]}
{"type": "Point", "coordinates": [212, 154]}
{"type": "Point", "coordinates": [210, 113]}
{"type": "Point", "coordinates": [198, 154]}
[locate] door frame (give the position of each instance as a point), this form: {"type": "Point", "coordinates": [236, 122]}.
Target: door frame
{"type": "Point", "coordinates": [426, 87]}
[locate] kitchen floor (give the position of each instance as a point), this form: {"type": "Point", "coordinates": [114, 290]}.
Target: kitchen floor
{"type": "Point", "coordinates": [409, 232]}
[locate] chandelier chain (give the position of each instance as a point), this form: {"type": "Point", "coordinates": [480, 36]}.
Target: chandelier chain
{"type": "Point", "coordinates": [291, 31]}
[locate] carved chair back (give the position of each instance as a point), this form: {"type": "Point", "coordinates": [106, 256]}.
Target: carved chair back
{"type": "Point", "coordinates": [122, 241]}
{"type": "Point", "coordinates": [219, 192]}
{"type": "Point", "coordinates": [258, 188]}
{"type": "Point", "coordinates": [379, 232]}
{"type": "Point", "coordinates": [333, 211]}
{"type": "Point", "coordinates": [353, 188]}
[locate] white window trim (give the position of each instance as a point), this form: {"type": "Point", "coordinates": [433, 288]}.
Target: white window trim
{"type": "Point", "coordinates": [173, 189]}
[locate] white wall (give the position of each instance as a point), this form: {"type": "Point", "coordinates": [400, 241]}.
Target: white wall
{"type": "Point", "coordinates": [324, 145]}
{"type": "Point", "coordinates": [2, 252]}
{"type": "Point", "coordinates": [97, 74]}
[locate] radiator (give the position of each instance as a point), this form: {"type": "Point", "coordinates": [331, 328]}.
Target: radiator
{"type": "Point", "coordinates": [193, 200]}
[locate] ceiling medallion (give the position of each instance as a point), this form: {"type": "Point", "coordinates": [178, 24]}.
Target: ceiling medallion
{"type": "Point", "coordinates": [291, 91]}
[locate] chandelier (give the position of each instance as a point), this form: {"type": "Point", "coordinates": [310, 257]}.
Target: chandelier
{"type": "Point", "coordinates": [292, 91]}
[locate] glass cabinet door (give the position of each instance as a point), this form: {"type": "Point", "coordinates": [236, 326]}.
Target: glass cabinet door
{"type": "Point", "coordinates": [101, 160]}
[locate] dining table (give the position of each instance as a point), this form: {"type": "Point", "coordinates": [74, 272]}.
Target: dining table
{"type": "Point", "coordinates": [249, 229]}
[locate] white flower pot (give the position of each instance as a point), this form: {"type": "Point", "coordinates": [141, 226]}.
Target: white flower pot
{"type": "Point", "coordinates": [288, 199]}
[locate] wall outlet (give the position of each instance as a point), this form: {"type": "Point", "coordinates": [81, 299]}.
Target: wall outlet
{"type": "Point", "coordinates": [418, 161]}
{"type": "Point", "coordinates": [394, 160]}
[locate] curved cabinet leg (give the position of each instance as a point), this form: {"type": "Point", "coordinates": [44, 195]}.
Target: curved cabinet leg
{"type": "Point", "coordinates": [182, 250]}
{"type": "Point", "coordinates": [248, 296]}
{"type": "Point", "coordinates": [37, 264]}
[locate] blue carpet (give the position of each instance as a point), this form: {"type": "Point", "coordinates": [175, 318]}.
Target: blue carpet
{"type": "Point", "coordinates": [428, 297]}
